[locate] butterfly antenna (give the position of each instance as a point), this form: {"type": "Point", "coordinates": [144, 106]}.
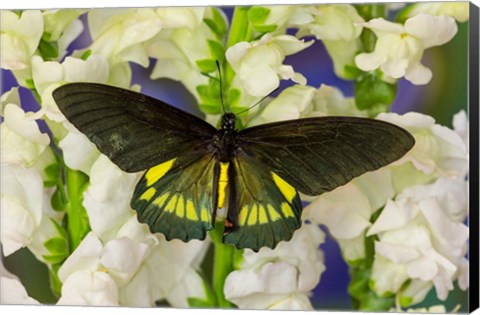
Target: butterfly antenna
{"type": "Point", "coordinates": [257, 103]}
{"type": "Point", "coordinates": [221, 88]}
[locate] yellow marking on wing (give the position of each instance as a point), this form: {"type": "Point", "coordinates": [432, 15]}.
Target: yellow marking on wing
{"type": "Point", "coordinates": [285, 188]}
{"type": "Point", "coordinates": [158, 171]}
{"type": "Point", "coordinates": [242, 216]}
{"type": "Point", "coordinates": [287, 210]}
{"type": "Point", "coordinates": [180, 211]}
{"type": "Point", "coordinates": [172, 204]}
{"type": "Point", "coordinates": [204, 215]}
{"type": "Point", "coordinates": [262, 215]}
{"type": "Point", "coordinates": [252, 217]}
{"type": "Point", "coordinates": [191, 213]}
{"type": "Point", "coordinates": [159, 201]}
{"type": "Point", "coordinates": [274, 216]}
{"type": "Point", "coordinates": [148, 194]}
{"type": "Point", "coordinates": [222, 184]}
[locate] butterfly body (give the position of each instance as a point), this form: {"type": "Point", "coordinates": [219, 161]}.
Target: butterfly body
{"type": "Point", "coordinates": [192, 169]}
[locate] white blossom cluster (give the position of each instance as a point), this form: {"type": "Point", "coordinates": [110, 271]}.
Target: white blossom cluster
{"type": "Point", "coordinates": [420, 235]}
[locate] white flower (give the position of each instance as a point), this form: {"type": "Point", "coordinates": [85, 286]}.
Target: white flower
{"type": "Point", "coordinates": [422, 238]}
{"type": "Point", "coordinates": [89, 288]}
{"type": "Point", "coordinates": [438, 151]}
{"type": "Point", "coordinates": [280, 278]}
{"type": "Point", "coordinates": [48, 75]}
{"type": "Point", "coordinates": [290, 104]}
{"type": "Point", "coordinates": [456, 9]}
{"type": "Point", "coordinates": [165, 274]}
{"type": "Point", "coordinates": [20, 36]}
{"type": "Point", "coordinates": [21, 206]}
{"type": "Point", "coordinates": [338, 26]}
{"type": "Point", "coordinates": [21, 139]}
{"type": "Point", "coordinates": [62, 26]}
{"type": "Point", "coordinates": [16, 293]}
{"type": "Point", "coordinates": [346, 210]}
{"type": "Point", "coordinates": [399, 48]}
{"type": "Point", "coordinates": [259, 64]}
{"type": "Point", "coordinates": [461, 126]}
{"type": "Point", "coordinates": [107, 199]}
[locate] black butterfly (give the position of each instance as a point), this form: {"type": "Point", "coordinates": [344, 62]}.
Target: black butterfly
{"type": "Point", "coordinates": [192, 168]}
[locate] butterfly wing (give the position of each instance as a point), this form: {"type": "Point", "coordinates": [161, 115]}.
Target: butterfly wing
{"type": "Point", "coordinates": [177, 199]}
{"type": "Point", "coordinates": [263, 208]}
{"type": "Point", "coordinates": [313, 156]}
{"type": "Point", "coordinates": [316, 155]}
{"type": "Point", "coordinates": [135, 131]}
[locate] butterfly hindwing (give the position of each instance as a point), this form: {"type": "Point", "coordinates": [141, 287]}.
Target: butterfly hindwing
{"type": "Point", "coordinates": [316, 155]}
{"type": "Point", "coordinates": [134, 130]}
{"type": "Point", "coordinates": [176, 198]}
{"type": "Point", "coordinates": [263, 208]}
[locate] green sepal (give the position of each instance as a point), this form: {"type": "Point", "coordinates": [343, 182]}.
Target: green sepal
{"type": "Point", "coordinates": [258, 15]}
{"type": "Point", "coordinates": [262, 29]}
{"type": "Point", "coordinates": [52, 172]}
{"type": "Point", "coordinates": [29, 84]}
{"type": "Point", "coordinates": [373, 94]}
{"type": "Point", "coordinates": [351, 72]}
{"type": "Point", "coordinates": [212, 109]}
{"type": "Point", "coordinates": [403, 15]}
{"type": "Point", "coordinates": [56, 246]}
{"type": "Point", "coordinates": [217, 51]}
{"type": "Point", "coordinates": [59, 200]}
{"type": "Point", "coordinates": [48, 50]}
{"type": "Point", "coordinates": [220, 22]}
{"type": "Point", "coordinates": [86, 54]}
{"type": "Point", "coordinates": [206, 65]}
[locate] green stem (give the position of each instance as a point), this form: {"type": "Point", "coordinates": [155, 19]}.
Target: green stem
{"type": "Point", "coordinates": [78, 224]}
{"type": "Point", "coordinates": [368, 12]}
{"type": "Point", "coordinates": [239, 31]}
{"type": "Point", "coordinates": [222, 265]}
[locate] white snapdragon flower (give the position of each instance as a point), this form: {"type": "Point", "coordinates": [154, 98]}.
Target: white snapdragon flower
{"type": "Point", "coordinates": [280, 278]}
{"type": "Point", "coordinates": [107, 198]}
{"type": "Point", "coordinates": [259, 64]}
{"type": "Point", "coordinates": [339, 27]}
{"type": "Point", "coordinates": [20, 36]}
{"type": "Point", "coordinates": [16, 293]}
{"type": "Point", "coordinates": [399, 48]}
{"type": "Point", "coordinates": [438, 151]}
{"type": "Point", "coordinates": [63, 27]}
{"type": "Point", "coordinates": [422, 237]}
{"type": "Point", "coordinates": [21, 139]}
{"type": "Point", "coordinates": [93, 273]}
{"type": "Point", "coordinates": [21, 206]}
{"type": "Point", "coordinates": [166, 273]}
{"type": "Point", "coordinates": [346, 210]}
{"type": "Point", "coordinates": [461, 126]}
{"type": "Point", "coordinates": [459, 10]}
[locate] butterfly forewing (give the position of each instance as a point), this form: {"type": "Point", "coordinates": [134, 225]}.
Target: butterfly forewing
{"type": "Point", "coordinates": [316, 155]}
{"type": "Point", "coordinates": [135, 131]}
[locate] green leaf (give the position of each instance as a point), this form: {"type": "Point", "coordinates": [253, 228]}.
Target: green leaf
{"type": "Point", "coordinates": [374, 94]}
{"type": "Point", "coordinates": [265, 28]}
{"type": "Point", "coordinates": [212, 109]}
{"type": "Point", "coordinates": [206, 65]}
{"type": "Point", "coordinates": [58, 200]}
{"type": "Point", "coordinates": [55, 259]}
{"type": "Point", "coordinates": [56, 246]}
{"type": "Point", "coordinates": [351, 72]}
{"type": "Point", "coordinates": [258, 15]}
{"type": "Point", "coordinates": [217, 50]}
{"type": "Point", "coordinates": [220, 22]}
{"type": "Point", "coordinates": [204, 92]}
{"type": "Point", "coordinates": [48, 50]}
{"type": "Point", "coordinates": [403, 15]}
{"type": "Point", "coordinates": [233, 97]}
{"type": "Point", "coordinates": [213, 27]}
{"type": "Point", "coordinates": [53, 171]}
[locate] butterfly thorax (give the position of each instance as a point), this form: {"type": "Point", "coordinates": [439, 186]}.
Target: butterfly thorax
{"type": "Point", "coordinates": [225, 139]}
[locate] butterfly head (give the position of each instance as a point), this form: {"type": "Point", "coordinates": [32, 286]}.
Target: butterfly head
{"type": "Point", "coordinates": [228, 121]}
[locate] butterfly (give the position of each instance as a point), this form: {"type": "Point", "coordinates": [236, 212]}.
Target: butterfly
{"type": "Point", "coordinates": [192, 169]}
